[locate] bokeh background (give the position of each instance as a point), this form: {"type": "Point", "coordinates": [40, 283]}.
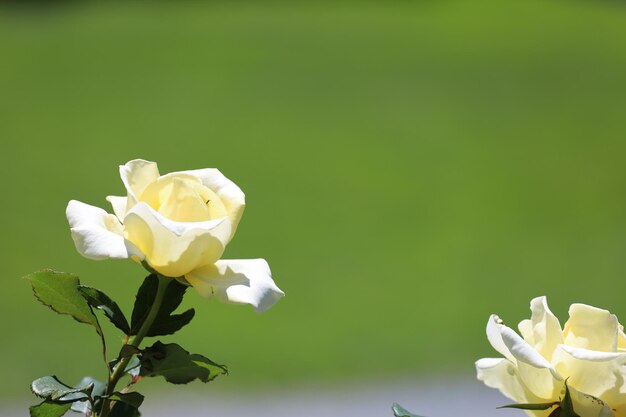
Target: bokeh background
{"type": "Point", "coordinates": [410, 167]}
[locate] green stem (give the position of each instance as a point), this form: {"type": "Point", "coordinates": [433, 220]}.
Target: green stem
{"type": "Point", "coordinates": [120, 368]}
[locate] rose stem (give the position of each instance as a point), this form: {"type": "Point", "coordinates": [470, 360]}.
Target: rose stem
{"type": "Point", "coordinates": [118, 372]}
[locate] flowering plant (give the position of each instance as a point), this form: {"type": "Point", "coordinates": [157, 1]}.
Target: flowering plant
{"type": "Point", "coordinates": [574, 370]}
{"type": "Point", "coordinates": [177, 226]}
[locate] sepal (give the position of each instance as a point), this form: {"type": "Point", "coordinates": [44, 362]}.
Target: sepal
{"type": "Point", "coordinates": [564, 407]}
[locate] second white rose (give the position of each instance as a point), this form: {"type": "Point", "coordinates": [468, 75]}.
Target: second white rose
{"type": "Point", "coordinates": [589, 352]}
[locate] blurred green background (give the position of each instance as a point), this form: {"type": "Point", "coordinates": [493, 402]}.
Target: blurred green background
{"type": "Point", "coordinates": [410, 167]}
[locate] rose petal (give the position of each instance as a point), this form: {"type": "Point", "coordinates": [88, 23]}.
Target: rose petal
{"type": "Point", "coordinates": [621, 339]}
{"type": "Point", "coordinates": [511, 345]}
{"type": "Point", "coordinates": [591, 328]}
{"type": "Point", "coordinates": [615, 397]}
{"type": "Point", "coordinates": [591, 372]}
{"type": "Point", "coordinates": [494, 335]}
{"type": "Point", "coordinates": [175, 248]}
{"type": "Point", "coordinates": [534, 370]}
{"type": "Point", "coordinates": [543, 330]}
{"type": "Point", "coordinates": [96, 233]}
{"type": "Point", "coordinates": [238, 281]}
{"type": "Point", "coordinates": [521, 350]}
{"type": "Point", "coordinates": [119, 206]}
{"type": "Point", "coordinates": [502, 375]}
{"type": "Point", "coordinates": [525, 328]}
{"type": "Point", "coordinates": [136, 175]}
{"type": "Point", "coordinates": [231, 195]}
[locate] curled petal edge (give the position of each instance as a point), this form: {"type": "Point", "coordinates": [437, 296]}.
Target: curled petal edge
{"type": "Point", "coordinates": [97, 234]}
{"type": "Point", "coordinates": [237, 281]}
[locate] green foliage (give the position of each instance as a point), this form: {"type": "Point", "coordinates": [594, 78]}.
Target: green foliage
{"type": "Point", "coordinates": [63, 293]}
{"type": "Point", "coordinates": [165, 322]}
{"type": "Point", "coordinates": [98, 299]}
{"type": "Point", "coordinates": [399, 411]}
{"type": "Point", "coordinates": [133, 399]}
{"type": "Point", "coordinates": [50, 388]}
{"type": "Point", "coordinates": [178, 366]}
{"type": "Point", "coordinates": [59, 398]}
{"type": "Point", "coordinates": [49, 409]}
{"type": "Point", "coordinates": [128, 350]}
{"type": "Point", "coordinates": [59, 291]}
{"type": "Point", "coordinates": [122, 409]}
{"type": "Point", "coordinates": [84, 407]}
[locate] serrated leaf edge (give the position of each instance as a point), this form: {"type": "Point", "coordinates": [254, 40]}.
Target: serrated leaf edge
{"type": "Point", "coordinates": [96, 326]}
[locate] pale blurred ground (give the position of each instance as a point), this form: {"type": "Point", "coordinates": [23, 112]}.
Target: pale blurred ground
{"type": "Point", "coordinates": [436, 397]}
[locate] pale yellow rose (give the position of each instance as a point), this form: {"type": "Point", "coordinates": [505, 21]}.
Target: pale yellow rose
{"type": "Point", "coordinates": [179, 224]}
{"type": "Point", "coordinates": [589, 352]}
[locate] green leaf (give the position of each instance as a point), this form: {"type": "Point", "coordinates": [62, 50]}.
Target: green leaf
{"type": "Point", "coordinates": [399, 411]}
{"type": "Point", "coordinates": [101, 301]}
{"type": "Point", "coordinates": [50, 388]}
{"type": "Point", "coordinates": [541, 406]}
{"type": "Point", "coordinates": [59, 291]}
{"type": "Point", "coordinates": [143, 302]}
{"type": "Point", "coordinates": [122, 409]}
{"type": "Point", "coordinates": [128, 350]}
{"type": "Point", "coordinates": [165, 323]}
{"type": "Point", "coordinates": [178, 366]}
{"type": "Point", "coordinates": [84, 407]}
{"type": "Point", "coordinates": [170, 324]}
{"type": "Point", "coordinates": [133, 399]}
{"type": "Point", "coordinates": [49, 409]}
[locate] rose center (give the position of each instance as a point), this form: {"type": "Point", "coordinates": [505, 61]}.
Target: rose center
{"type": "Point", "coordinates": [183, 198]}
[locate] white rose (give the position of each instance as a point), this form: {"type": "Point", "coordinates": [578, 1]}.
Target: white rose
{"type": "Point", "coordinates": [179, 224]}
{"type": "Point", "coordinates": [589, 352]}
